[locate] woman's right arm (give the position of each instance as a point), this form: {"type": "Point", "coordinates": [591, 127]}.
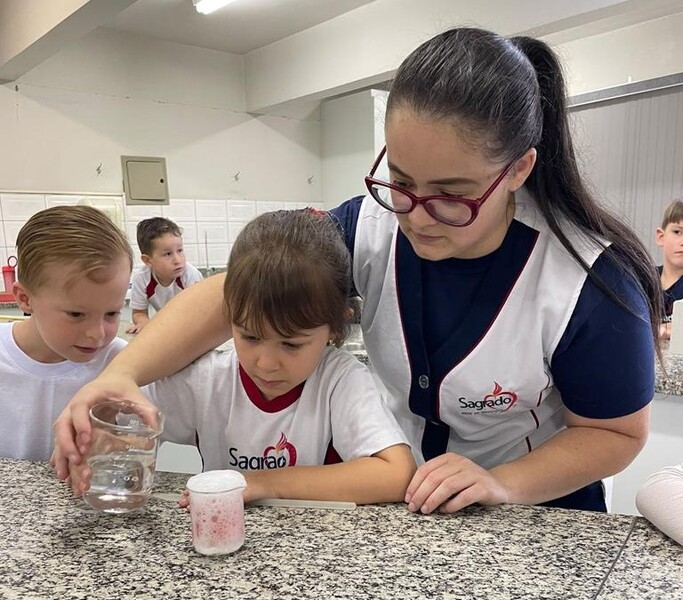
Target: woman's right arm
{"type": "Point", "coordinates": [187, 327]}
{"type": "Point", "coordinates": [660, 501]}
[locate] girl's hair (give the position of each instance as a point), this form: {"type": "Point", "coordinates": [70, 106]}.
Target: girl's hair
{"type": "Point", "coordinates": [82, 238]}
{"type": "Point", "coordinates": [289, 270]}
{"type": "Point", "coordinates": [673, 213]}
{"type": "Point", "coordinates": [508, 95]}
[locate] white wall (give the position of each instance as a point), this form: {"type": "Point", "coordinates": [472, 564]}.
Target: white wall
{"type": "Point", "coordinates": [365, 46]}
{"type": "Point", "coordinates": [634, 53]}
{"type": "Point", "coordinates": [348, 131]}
{"type": "Point", "coordinates": [664, 447]}
{"type": "Point", "coordinates": [113, 94]}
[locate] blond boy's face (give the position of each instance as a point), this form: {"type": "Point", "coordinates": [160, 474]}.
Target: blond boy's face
{"type": "Point", "coordinates": [167, 260]}
{"type": "Point", "coordinates": [76, 322]}
{"type": "Point", "coordinates": [671, 241]}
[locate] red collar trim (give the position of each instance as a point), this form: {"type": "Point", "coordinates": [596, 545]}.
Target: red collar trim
{"type": "Point", "coordinates": [270, 406]}
{"type": "Point", "coordinates": [152, 285]}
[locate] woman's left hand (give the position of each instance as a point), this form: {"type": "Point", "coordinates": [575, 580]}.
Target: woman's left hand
{"type": "Point", "coordinates": [451, 482]}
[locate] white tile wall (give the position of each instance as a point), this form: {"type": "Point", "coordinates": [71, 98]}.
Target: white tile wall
{"type": "Point", "coordinates": [19, 207]}
{"type": "Point", "coordinates": [11, 231]}
{"type": "Point", "coordinates": [64, 200]}
{"type": "Point", "coordinates": [210, 226]}
{"type": "Point", "coordinates": [243, 210]}
{"type": "Point", "coordinates": [179, 209]}
{"type": "Point", "coordinates": [209, 210]}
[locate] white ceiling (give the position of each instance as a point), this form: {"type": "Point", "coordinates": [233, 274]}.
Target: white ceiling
{"type": "Point", "coordinates": [239, 27]}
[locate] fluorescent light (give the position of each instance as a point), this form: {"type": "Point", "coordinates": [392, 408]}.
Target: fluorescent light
{"type": "Point", "coordinates": [208, 6]}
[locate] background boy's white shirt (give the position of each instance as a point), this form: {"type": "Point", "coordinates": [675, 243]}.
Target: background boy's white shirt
{"type": "Point", "coordinates": [34, 394]}
{"type": "Point", "coordinates": [162, 294]}
{"type": "Point", "coordinates": [206, 404]}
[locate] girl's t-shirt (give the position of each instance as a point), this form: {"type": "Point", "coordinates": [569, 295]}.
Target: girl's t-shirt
{"type": "Point", "coordinates": [214, 405]}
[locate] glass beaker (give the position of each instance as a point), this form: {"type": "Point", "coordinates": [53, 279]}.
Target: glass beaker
{"type": "Point", "coordinates": [121, 457]}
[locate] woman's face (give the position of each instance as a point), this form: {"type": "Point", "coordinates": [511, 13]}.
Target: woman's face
{"type": "Point", "coordinates": [430, 157]}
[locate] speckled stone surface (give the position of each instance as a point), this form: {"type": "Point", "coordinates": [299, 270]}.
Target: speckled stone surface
{"type": "Point", "coordinates": [670, 382]}
{"type": "Point", "coordinates": [650, 566]}
{"type": "Point", "coordinates": [54, 547]}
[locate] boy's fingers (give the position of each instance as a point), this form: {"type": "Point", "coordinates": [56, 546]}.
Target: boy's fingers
{"type": "Point", "coordinates": [65, 443]}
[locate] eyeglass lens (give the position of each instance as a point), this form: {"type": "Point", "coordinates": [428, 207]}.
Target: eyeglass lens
{"type": "Point", "coordinates": [452, 212]}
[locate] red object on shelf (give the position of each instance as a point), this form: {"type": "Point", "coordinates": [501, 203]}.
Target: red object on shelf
{"type": "Point", "coordinates": [5, 297]}
{"type": "Point", "coordinates": [9, 275]}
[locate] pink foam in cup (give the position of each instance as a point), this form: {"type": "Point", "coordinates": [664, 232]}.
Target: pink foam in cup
{"type": "Point", "coordinates": [217, 511]}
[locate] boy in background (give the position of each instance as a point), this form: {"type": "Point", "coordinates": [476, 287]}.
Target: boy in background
{"type": "Point", "coordinates": [670, 238]}
{"type": "Point", "coordinates": [166, 272]}
{"type": "Point", "coordinates": [74, 265]}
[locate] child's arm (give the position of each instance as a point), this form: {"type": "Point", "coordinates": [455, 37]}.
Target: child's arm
{"type": "Point", "coordinates": [378, 464]}
{"type": "Point", "coordinates": [660, 501]}
{"type": "Point", "coordinates": [139, 302]}
{"type": "Point", "coordinates": [382, 477]}
{"type": "Point", "coordinates": [140, 319]}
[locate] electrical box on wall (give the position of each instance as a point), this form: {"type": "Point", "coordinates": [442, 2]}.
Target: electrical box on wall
{"type": "Point", "coordinates": [144, 180]}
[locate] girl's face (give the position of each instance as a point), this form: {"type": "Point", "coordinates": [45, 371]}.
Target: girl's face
{"type": "Point", "coordinates": [430, 157]}
{"type": "Point", "coordinates": [278, 364]}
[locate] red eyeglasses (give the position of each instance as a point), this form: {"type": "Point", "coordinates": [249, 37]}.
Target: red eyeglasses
{"type": "Point", "coordinates": [451, 210]}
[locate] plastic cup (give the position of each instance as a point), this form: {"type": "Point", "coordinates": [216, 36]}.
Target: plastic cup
{"type": "Point", "coordinates": [121, 457]}
{"type": "Point", "coordinates": [217, 511]}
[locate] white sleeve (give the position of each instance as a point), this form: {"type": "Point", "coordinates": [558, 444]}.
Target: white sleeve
{"type": "Point", "coordinates": [175, 397]}
{"type": "Point", "coordinates": [660, 501]}
{"type": "Point", "coordinates": [191, 275]}
{"type": "Point", "coordinates": [362, 424]}
{"type": "Point", "coordinates": [138, 294]}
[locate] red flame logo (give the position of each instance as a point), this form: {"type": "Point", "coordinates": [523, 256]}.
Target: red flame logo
{"type": "Point", "coordinates": [281, 446]}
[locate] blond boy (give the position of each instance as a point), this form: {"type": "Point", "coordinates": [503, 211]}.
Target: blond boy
{"type": "Point", "coordinates": [670, 238]}
{"type": "Point", "coordinates": [166, 272]}
{"type": "Point", "coordinates": [74, 266]}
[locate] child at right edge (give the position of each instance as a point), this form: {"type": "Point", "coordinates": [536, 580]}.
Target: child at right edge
{"type": "Point", "coordinates": [670, 238]}
{"type": "Point", "coordinates": [286, 407]}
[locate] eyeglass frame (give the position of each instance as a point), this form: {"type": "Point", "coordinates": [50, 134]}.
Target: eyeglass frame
{"type": "Point", "coordinates": [473, 204]}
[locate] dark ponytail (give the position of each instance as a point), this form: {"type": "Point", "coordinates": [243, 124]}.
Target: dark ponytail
{"type": "Point", "coordinates": [509, 95]}
{"type": "Point", "coordinates": [557, 186]}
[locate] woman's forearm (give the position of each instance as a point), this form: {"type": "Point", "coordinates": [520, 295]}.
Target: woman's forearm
{"type": "Point", "coordinates": [570, 460]}
{"type": "Point", "coordinates": [188, 326]}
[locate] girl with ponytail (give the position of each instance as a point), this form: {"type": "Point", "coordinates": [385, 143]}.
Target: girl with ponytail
{"type": "Point", "coordinates": [512, 320]}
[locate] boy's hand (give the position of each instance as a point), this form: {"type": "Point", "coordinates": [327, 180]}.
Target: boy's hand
{"type": "Point", "coordinates": [135, 328]}
{"type": "Point", "coordinates": [72, 429]}
{"type": "Point", "coordinates": [665, 331]}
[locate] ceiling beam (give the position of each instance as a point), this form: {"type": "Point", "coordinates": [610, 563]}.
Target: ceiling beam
{"type": "Point", "coordinates": [33, 30]}
{"type": "Point", "coordinates": [365, 46]}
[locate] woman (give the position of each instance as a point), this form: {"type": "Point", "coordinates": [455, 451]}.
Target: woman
{"type": "Point", "coordinates": [512, 320]}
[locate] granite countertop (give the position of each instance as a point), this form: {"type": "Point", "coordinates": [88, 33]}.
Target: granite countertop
{"type": "Point", "coordinates": [669, 380]}
{"type": "Point", "coordinates": [56, 547]}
